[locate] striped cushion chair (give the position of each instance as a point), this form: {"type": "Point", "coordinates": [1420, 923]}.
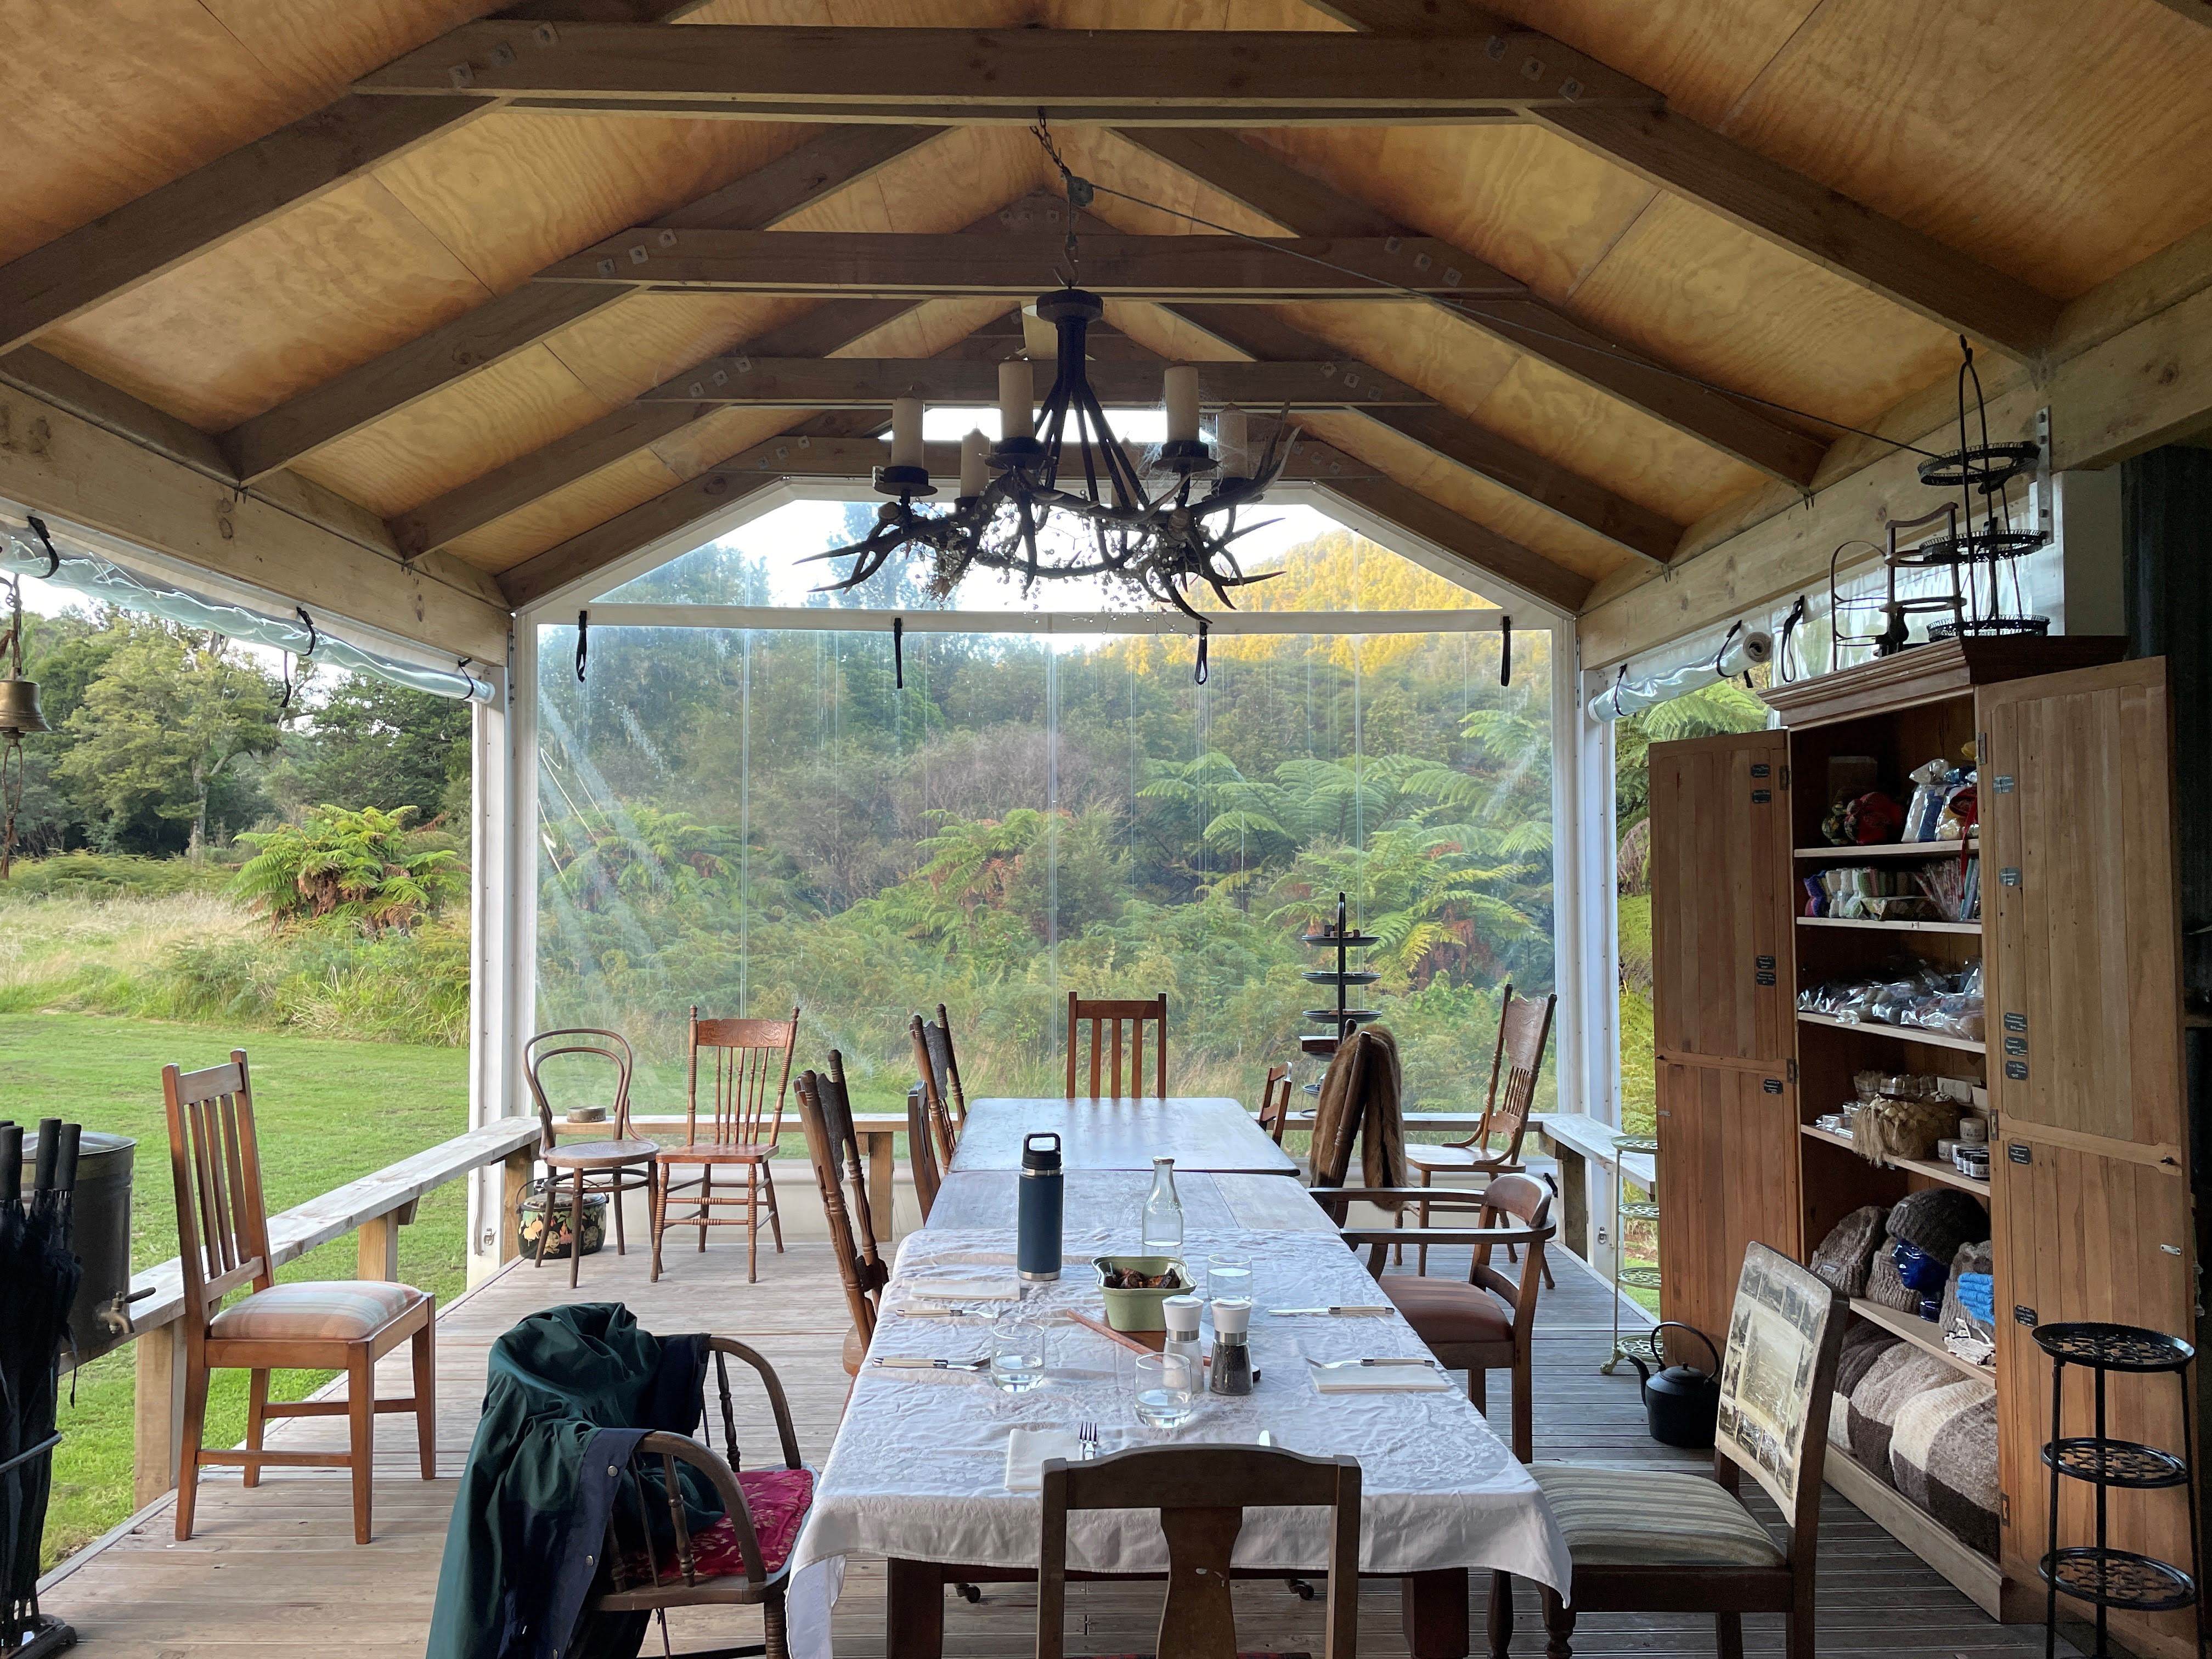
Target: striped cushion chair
{"type": "Point", "coordinates": [1647, 1540]}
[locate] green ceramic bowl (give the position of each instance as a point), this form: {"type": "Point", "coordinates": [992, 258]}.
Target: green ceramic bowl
{"type": "Point", "coordinates": [1140, 1310]}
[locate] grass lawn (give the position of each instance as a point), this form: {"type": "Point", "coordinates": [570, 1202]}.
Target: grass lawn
{"type": "Point", "coordinates": [326, 1113]}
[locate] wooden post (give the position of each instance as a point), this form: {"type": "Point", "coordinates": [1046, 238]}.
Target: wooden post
{"type": "Point", "coordinates": [377, 1249]}
{"type": "Point", "coordinates": [158, 1412]}
{"type": "Point", "coordinates": [514, 1175]}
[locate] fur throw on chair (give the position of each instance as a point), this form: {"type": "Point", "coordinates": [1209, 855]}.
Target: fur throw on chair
{"type": "Point", "coordinates": [1361, 1099]}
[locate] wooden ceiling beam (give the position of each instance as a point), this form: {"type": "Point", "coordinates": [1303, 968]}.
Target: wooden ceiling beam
{"type": "Point", "coordinates": [1479, 546]}
{"type": "Point", "coordinates": [875, 382]}
{"type": "Point", "coordinates": [1262, 335]}
{"type": "Point", "coordinates": [856, 451]}
{"type": "Point", "coordinates": [1018, 265]}
{"type": "Point", "coordinates": [1763, 197]}
{"type": "Point", "coordinates": [1306, 206]}
{"type": "Point", "coordinates": [1159, 76]}
{"type": "Point", "coordinates": [514, 321]}
{"type": "Point", "coordinates": [212, 204]}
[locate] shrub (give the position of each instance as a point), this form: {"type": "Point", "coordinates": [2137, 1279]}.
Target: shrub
{"type": "Point", "coordinates": [364, 867]}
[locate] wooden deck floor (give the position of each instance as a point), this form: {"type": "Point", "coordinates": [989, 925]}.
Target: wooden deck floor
{"type": "Point", "coordinates": [273, 1571]}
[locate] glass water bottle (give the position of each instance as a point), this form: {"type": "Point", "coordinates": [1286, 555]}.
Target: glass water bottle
{"type": "Point", "coordinates": [1162, 1231]}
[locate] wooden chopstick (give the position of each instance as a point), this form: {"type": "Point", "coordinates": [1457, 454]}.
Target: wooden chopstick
{"type": "Point", "coordinates": [1108, 1333]}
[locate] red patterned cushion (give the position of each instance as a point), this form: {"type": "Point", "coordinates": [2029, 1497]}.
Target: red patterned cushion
{"type": "Point", "coordinates": [777, 1500]}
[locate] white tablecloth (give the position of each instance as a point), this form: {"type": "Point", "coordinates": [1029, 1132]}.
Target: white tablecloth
{"type": "Point", "coordinates": [919, 1467]}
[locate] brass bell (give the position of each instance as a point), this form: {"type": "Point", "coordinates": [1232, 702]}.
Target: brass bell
{"type": "Point", "coordinates": [18, 709]}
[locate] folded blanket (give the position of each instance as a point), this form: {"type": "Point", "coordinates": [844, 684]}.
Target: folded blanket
{"type": "Point", "coordinates": [1890, 1385]}
{"type": "Point", "coordinates": [1846, 1255]}
{"type": "Point", "coordinates": [1864, 1342]}
{"type": "Point", "coordinates": [1943, 1456]}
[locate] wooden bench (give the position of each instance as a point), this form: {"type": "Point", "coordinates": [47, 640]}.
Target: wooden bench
{"type": "Point", "coordinates": [1583, 1144]}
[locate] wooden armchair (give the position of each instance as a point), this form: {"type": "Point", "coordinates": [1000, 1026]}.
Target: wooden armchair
{"type": "Point", "coordinates": [345, 1325]}
{"type": "Point", "coordinates": [613, 1163]}
{"type": "Point", "coordinates": [1186, 1485]}
{"type": "Point", "coordinates": [1524, 1024]}
{"type": "Point", "coordinates": [1646, 1540]}
{"type": "Point", "coordinates": [654, 1558]}
{"type": "Point", "coordinates": [1108, 1020]}
{"type": "Point", "coordinates": [741, 1055]}
{"type": "Point", "coordinates": [825, 1110]}
{"type": "Point", "coordinates": [922, 1152]}
{"type": "Point", "coordinates": [943, 1068]}
{"type": "Point", "coordinates": [1275, 1102]}
{"type": "Point", "coordinates": [936, 1112]}
{"type": "Point", "coordinates": [1488, 1323]}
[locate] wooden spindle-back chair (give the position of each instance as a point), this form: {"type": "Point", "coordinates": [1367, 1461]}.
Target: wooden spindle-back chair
{"type": "Point", "coordinates": [611, 1162]}
{"type": "Point", "coordinates": [1524, 1024]}
{"type": "Point", "coordinates": [223, 1227]}
{"type": "Point", "coordinates": [655, 1560]}
{"type": "Point", "coordinates": [826, 1111]}
{"type": "Point", "coordinates": [1109, 1019]}
{"type": "Point", "coordinates": [1275, 1102]}
{"type": "Point", "coordinates": [1191, 1488]}
{"type": "Point", "coordinates": [922, 1152]}
{"type": "Point", "coordinates": [936, 1112]}
{"type": "Point", "coordinates": [748, 1064]}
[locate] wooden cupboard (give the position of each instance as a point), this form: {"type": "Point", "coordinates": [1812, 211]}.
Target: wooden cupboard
{"type": "Point", "coordinates": [2082, 1058]}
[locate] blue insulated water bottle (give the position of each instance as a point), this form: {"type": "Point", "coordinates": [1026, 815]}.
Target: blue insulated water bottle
{"type": "Point", "coordinates": [1036, 1251]}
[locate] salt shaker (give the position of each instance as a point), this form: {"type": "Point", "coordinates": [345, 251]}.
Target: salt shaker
{"type": "Point", "coordinates": [1180, 1312]}
{"type": "Point", "coordinates": [1232, 1353]}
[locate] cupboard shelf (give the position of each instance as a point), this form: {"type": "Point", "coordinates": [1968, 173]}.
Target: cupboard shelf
{"type": "Point", "coordinates": [1919, 1332]}
{"type": "Point", "coordinates": [1896, 1033]}
{"type": "Point", "coordinates": [1891, 926]}
{"type": "Point", "coordinates": [1887, 849]}
{"type": "Point", "coordinates": [1942, 1173]}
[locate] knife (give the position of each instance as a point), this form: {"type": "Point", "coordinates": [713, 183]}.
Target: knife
{"type": "Point", "coordinates": [1339, 1364]}
{"type": "Point", "coordinates": [902, 1364]}
{"type": "Point", "coordinates": [1350, 1309]}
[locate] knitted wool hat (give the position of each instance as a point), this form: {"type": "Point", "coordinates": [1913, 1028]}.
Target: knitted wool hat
{"type": "Point", "coordinates": [1847, 1253]}
{"type": "Point", "coordinates": [1938, 1221]}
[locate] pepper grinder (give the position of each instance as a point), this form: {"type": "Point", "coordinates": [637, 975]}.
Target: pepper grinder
{"type": "Point", "coordinates": [1037, 1217]}
{"type": "Point", "coordinates": [1233, 1352]}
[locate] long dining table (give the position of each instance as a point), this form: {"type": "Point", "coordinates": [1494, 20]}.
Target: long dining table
{"type": "Point", "coordinates": [919, 1472]}
{"type": "Point", "coordinates": [1209, 1132]}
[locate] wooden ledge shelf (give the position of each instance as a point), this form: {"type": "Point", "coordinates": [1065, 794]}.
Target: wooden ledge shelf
{"type": "Point", "coordinates": [1919, 1332]}
{"type": "Point", "coordinates": [1942, 1173]}
{"type": "Point", "coordinates": [1888, 849]}
{"type": "Point", "coordinates": [1899, 1033]}
{"type": "Point", "coordinates": [1891, 926]}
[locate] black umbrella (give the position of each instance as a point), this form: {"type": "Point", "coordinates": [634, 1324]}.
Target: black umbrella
{"type": "Point", "coordinates": [39, 1275]}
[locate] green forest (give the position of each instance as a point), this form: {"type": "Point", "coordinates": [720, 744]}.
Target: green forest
{"type": "Point", "coordinates": [749, 822]}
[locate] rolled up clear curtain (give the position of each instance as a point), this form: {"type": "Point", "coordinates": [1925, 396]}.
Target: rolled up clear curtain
{"type": "Point", "coordinates": [1743, 650]}
{"type": "Point", "coordinates": [88, 574]}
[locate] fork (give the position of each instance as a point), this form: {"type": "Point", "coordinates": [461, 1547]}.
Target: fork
{"type": "Point", "coordinates": [1088, 1434]}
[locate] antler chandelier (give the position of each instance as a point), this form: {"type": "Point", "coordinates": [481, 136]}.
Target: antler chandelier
{"type": "Point", "coordinates": [1064, 463]}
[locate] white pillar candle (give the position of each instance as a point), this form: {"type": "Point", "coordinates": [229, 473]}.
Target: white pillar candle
{"type": "Point", "coordinates": [906, 432]}
{"type": "Point", "coordinates": [1180, 390]}
{"type": "Point", "coordinates": [1229, 440]}
{"type": "Point", "coordinates": [1016, 416]}
{"type": "Point", "coordinates": [975, 469]}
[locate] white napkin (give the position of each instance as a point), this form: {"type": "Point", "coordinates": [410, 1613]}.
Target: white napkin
{"type": "Point", "coordinates": [953, 1285]}
{"type": "Point", "coordinates": [1379, 1379]}
{"type": "Point", "coordinates": [1027, 1449]}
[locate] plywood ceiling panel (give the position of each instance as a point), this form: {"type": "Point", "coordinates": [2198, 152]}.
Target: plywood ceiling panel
{"type": "Point", "coordinates": [651, 337]}
{"type": "Point", "coordinates": [592, 500]}
{"type": "Point", "coordinates": [1703, 54]}
{"type": "Point", "coordinates": [691, 450]}
{"type": "Point", "coordinates": [281, 308]}
{"type": "Point", "coordinates": [1534, 206]}
{"type": "Point", "coordinates": [1164, 193]}
{"type": "Point", "coordinates": [100, 104]}
{"type": "Point", "coordinates": [1721, 303]}
{"type": "Point", "coordinates": [941, 186]}
{"type": "Point", "coordinates": [2057, 142]}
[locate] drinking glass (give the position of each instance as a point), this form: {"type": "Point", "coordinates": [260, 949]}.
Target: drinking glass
{"type": "Point", "coordinates": [1017, 1351]}
{"type": "Point", "coordinates": [1165, 1390]}
{"type": "Point", "coordinates": [1229, 1277]}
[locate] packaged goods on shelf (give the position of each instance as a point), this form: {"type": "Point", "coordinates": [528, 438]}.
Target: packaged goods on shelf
{"type": "Point", "coordinates": [1921, 995]}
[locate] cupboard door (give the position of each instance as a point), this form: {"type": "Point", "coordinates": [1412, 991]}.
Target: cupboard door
{"type": "Point", "coordinates": [1722, 985]}
{"type": "Point", "coordinates": [1727, 1178]}
{"type": "Point", "coordinates": [2082, 898]}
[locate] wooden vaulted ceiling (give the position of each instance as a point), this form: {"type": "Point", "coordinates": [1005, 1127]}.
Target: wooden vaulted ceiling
{"type": "Point", "coordinates": [301, 229]}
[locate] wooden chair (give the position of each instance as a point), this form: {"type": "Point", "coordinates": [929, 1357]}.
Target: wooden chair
{"type": "Point", "coordinates": [1185, 1485]}
{"type": "Point", "coordinates": [1488, 1323]}
{"type": "Point", "coordinates": [1524, 1024]}
{"type": "Point", "coordinates": [1108, 1019]}
{"type": "Point", "coordinates": [825, 1111]}
{"type": "Point", "coordinates": [654, 1560]}
{"type": "Point", "coordinates": [1657, 1540]}
{"type": "Point", "coordinates": [741, 1055]}
{"type": "Point", "coordinates": [1275, 1102]}
{"type": "Point", "coordinates": [937, 1113]}
{"type": "Point", "coordinates": [619, 1163]}
{"type": "Point", "coordinates": [922, 1152]}
{"type": "Point", "coordinates": [223, 1229]}
{"type": "Point", "coordinates": [943, 1069]}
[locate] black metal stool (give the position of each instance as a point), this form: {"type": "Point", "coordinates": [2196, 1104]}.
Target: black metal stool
{"type": "Point", "coordinates": [2098, 1573]}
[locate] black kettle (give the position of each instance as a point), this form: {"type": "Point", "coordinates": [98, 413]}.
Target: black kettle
{"type": "Point", "coordinates": [1682, 1404]}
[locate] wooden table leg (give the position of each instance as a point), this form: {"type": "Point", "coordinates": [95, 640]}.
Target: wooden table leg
{"type": "Point", "coordinates": [913, 1610]}
{"type": "Point", "coordinates": [1434, 1611]}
